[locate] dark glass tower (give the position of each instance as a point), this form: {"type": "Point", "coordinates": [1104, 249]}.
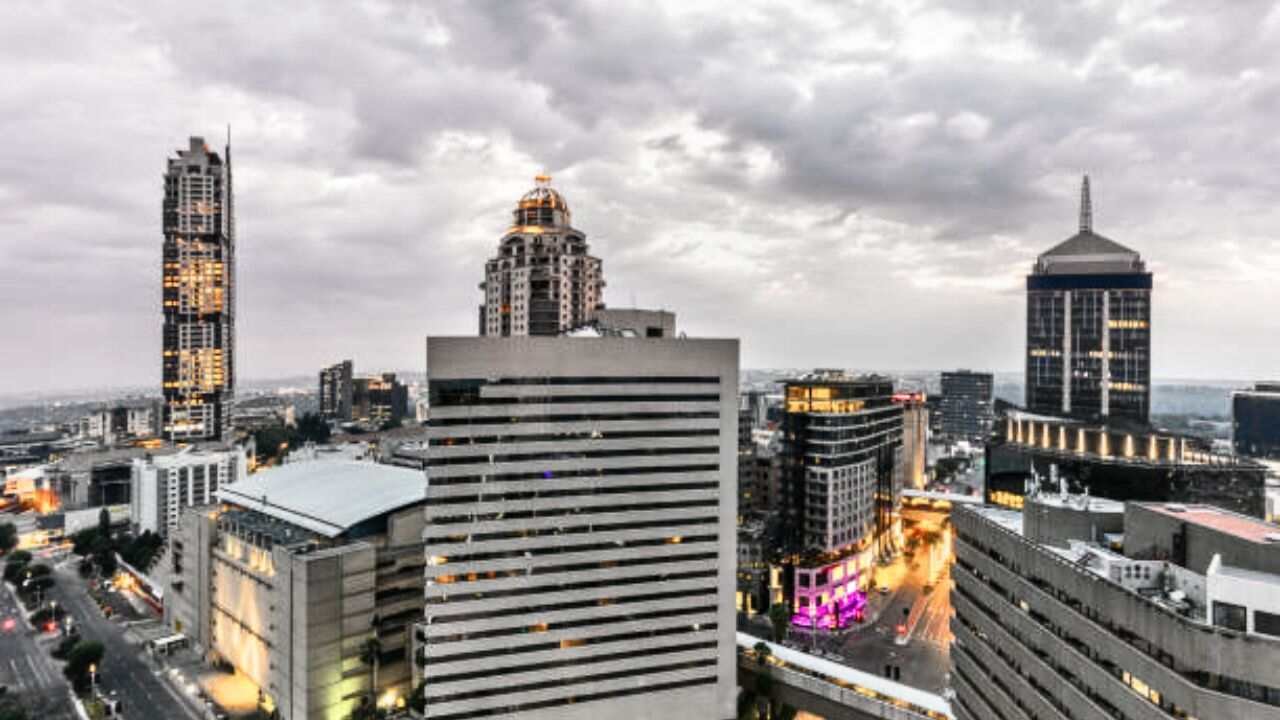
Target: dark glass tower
{"type": "Point", "coordinates": [198, 277]}
{"type": "Point", "coordinates": [1089, 328]}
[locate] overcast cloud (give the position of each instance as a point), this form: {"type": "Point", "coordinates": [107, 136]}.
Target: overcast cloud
{"type": "Point", "coordinates": [845, 184]}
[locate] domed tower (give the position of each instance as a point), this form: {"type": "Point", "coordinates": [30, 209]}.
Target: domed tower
{"type": "Point", "coordinates": [543, 280]}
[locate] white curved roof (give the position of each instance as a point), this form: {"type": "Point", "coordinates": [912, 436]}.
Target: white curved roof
{"type": "Point", "coordinates": [327, 497]}
{"type": "Point", "coordinates": [882, 686]}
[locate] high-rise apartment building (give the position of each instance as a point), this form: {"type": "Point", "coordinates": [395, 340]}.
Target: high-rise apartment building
{"type": "Point", "coordinates": [198, 295]}
{"type": "Point", "coordinates": [842, 476]}
{"type": "Point", "coordinates": [1255, 416]}
{"type": "Point", "coordinates": [163, 486]}
{"type": "Point", "coordinates": [1084, 608]}
{"type": "Point", "coordinates": [967, 405]}
{"type": "Point", "coordinates": [580, 528]}
{"type": "Point", "coordinates": [1089, 328]}
{"type": "Point", "coordinates": [379, 399]}
{"type": "Point", "coordinates": [543, 280]}
{"type": "Point", "coordinates": [336, 391]}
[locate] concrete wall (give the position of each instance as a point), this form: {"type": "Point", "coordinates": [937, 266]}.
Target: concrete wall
{"type": "Point", "coordinates": [1149, 532]}
{"type": "Point", "coordinates": [1053, 523]}
{"type": "Point", "coordinates": [1079, 626]}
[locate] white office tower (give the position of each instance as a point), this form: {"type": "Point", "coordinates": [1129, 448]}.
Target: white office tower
{"type": "Point", "coordinates": [580, 535]}
{"type": "Point", "coordinates": [163, 486]}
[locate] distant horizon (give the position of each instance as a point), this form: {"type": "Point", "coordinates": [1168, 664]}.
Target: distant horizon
{"type": "Point", "coordinates": [69, 394]}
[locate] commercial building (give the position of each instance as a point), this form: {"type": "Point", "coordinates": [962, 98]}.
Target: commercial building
{"type": "Point", "coordinates": [543, 280]}
{"type": "Point", "coordinates": [379, 399]}
{"type": "Point", "coordinates": [264, 411]}
{"type": "Point", "coordinates": [1118, 464]}
{"type": "Point", "coordinates": [198, 277]}
{"type": "Point", "coordinates": [336, 391]}
{"type": "Point", "coordinates": [1255, 416]}
{"type": "Point", "coordinates": [966, 410]}
{"type": "Point", "coordinates": [165, 486]}
{"type": "Point", "coordinates": [1084, 608]}
{"type": "Point", "coordinates": [1089, 328]}
{"type": "Point", "coordinates": [842, 479]}
{"type": "Point", "coordinates": [581, 509]}
{"type": "Point", "coordinates": [293, 574]}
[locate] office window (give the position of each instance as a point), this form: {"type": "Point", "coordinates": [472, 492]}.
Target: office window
{"type": "Point", "coordinates": [1265, 622]}
{"type": "Point", "coordinates": [1231, 617]}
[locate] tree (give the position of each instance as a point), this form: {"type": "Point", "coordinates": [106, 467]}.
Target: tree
{"type": "Point", "coordinates": [8, 537]}
{"type": "Point", "coordinates": [779, 616]}
{"type": "Point", "coordinates": [16, 565]}
{"type": "Point", "coordinates": [83, 656]}
{"type": "Point", "coordinates": [313, 428]}
{"type": "Point", "coordinates": [370, 654]}
{"type": "Point", "coordinates": [106, 562]}
{"type": "Point", "coordinates": [762, 652]}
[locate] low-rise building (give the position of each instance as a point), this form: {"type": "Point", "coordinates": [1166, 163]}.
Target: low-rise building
{"type": "Point", "coordinates": [1077, 607]}
{"type": "Point", "coordinates": [300, 572]}
{"type": "Point", "coordinates": [1119, 464]}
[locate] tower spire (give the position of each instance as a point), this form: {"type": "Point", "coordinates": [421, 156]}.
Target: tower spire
{"type": "Point", "coordinates": [1086, 207]}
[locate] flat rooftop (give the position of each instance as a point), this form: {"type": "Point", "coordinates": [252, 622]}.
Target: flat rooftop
{"type": "Point", "coordinates": [328, 497]}
{"type": "Point", "coordinates": [1228, 523]}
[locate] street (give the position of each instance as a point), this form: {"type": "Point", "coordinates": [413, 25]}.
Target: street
{"type": "Point", "coordinates": [141, 692]}
{"type": "Point", "coordinates": [25, 666]}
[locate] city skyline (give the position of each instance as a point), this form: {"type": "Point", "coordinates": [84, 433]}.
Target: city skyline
{"type": "Point", "coordinates": [365, 206]}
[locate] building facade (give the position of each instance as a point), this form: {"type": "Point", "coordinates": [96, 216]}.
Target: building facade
{"type": "Point", "coordinates": [966, 408]}
{"type": "Point", "coordinates": [1121, 624]}
{"type": "Point", "coordinates": [336, 391]}
{"type": "Point", "coordinates": [915, 438]}
{"type": "Point", "coordinates": [293, 578]}
{"type": "Point", "coordinates": [198, 278]}
{"type": "Point", "coordinates": [581, 506]}
{"type": "Point", "coordinates": [543, 280]}
{"type": "Point", "coordinates": [163, 487]}
{"type": "Point", "coordinates": [1089, 328]}
{"type": "Point", "coordinates": [1255, 416]}
{"type": "Point", "coordinates": [842, 477]}
{"type": "Point", "coordinates": [379, 399]}
{"type": "Point", "coordinates": [1118, 464]}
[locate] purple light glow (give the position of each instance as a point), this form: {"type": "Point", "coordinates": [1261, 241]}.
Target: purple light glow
{"type": "Point", "coordinates": [837, 614]}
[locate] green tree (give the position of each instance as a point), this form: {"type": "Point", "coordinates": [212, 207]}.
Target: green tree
{"type": "Point", "coordinates": [16, 565]}
{"type": "Point", "coordinates": [83, 656]}
{"type": "Point", "coordinates": [779, 616]}
{"type": "Point", "coordinates": [8, 537]}
{"type": "Point", "coordinates": [313, 428]}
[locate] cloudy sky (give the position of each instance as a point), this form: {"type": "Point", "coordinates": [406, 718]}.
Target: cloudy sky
{"type": "Point", "coordinates": [853, 184]}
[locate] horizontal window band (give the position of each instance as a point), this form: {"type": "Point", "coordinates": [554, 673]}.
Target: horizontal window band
{"type": "Point", "coordinates": [560, 549]}
{"type": "Point", "coordinates": [585, 622]}
{"type": "Point", "coordinates": [567, 587]}
{"type": "Point", "coordinates": [570, 512]}
{"type": "Point", "coordinates": [579, 455]}
{"type": "Point", "coordinates": [551, 475]}
{"type": "Point", "coordinates": [553, 664]}
{"type": "Point", "coordinates": [573, 567]}
{"type": "Point", "coordinates": [574, 700]}
{"type": "Point", "coordinates": [576, 680]}
{"type": "Point", "coordinates": [567, 436]}
{"type": "Point", "coordinates": [493, 420]}
{"type": "Point", "coordinates": [571, 530]}
{"type": "Point", "coordinates": [613, 602]}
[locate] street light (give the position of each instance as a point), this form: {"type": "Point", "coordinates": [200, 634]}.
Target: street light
{"type": "Point", "coordinates": [93, 677]}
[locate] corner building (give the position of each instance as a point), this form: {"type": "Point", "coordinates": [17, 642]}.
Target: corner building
{"type": "Point", "coordinates": [198, 278]}
{"type": "Point", "coordinates": [1089, 328]}
{"type": "Point", "coordinates": [543, 280]}
{"type": "Point", "coordinates": [580, 529]}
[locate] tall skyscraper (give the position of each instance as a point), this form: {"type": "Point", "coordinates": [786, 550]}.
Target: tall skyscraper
{"type": "Point", "coordinates": [198, 295]}
{"type": "Point", "coordinates": [966, 405]}
{"type": "Point", "coordinates": [1089, 328]}
{"type": "Point", "coordinates": [542, 281]}
{"type": "Point", "coordinates": [580, 528]}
